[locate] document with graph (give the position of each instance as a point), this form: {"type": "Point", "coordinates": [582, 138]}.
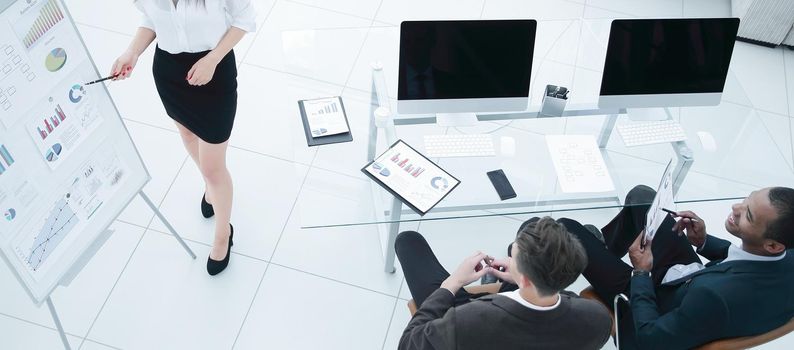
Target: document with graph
{"type": "Point", "coordinates": [326, 116]}
{"type": "Point", "coordinates": [411, 177]}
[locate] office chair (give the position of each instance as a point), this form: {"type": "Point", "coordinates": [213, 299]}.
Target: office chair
{"type": "Point", "coordinates": [736, 343]}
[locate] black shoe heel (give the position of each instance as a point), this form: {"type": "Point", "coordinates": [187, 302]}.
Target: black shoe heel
{"type": "Point", "coordinates": [215, 267]}
{"type": "Point", "coordinates": [206, 209]}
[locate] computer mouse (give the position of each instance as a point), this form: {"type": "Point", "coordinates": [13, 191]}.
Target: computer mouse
{"type": "Point", "coordinates": [507, 146]}
{"type": "Point", "coordinates": [707, 141]}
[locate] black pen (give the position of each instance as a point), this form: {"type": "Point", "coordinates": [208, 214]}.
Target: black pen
{"type": "Point", "coordinates": [676, 214]}
{"type": "Point", "coordinates": [101, 80]}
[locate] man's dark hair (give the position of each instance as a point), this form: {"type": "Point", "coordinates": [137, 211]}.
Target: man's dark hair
{"type": "Point", "coordinates": [549, 256]}
{"type": "Point", "coordinates": [782, 229]}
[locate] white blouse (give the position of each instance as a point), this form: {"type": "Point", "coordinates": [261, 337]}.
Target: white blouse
{"type": "Point", "coordinates": [190, 27]}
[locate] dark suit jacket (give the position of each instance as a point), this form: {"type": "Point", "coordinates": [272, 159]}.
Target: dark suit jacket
{"type": "Point", "coordinates": [498, 322]}
{"type": "Point", "coordinates": [733, 299]}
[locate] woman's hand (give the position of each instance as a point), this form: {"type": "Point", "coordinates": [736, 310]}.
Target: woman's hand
{"type": "Point", "coordinates": [122, 68]}
{"type": "Point", "coordinates": [202, 71]}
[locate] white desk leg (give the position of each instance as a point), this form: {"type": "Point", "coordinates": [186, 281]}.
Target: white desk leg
{"type": "Point", "coordinates": [606, 130]}
{"type": "Point", "coordinates": [58, 325]}
{"type": "Point", "coordinates": [685, 160]}
{"type": "Point", "coordinates": [394, 229]}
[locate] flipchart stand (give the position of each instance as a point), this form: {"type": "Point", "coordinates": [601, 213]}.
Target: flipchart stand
{"type": "Point", "coordinates": [69, 277]}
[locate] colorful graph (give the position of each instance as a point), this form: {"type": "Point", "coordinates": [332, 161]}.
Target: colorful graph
{"type": "Point", "coordinates": [7, 159]}
{"type": "Point", "coordinates": [439, 183]}
{"type": "Point", "coordinates": [331, 108]}
{"type": "Point", "coordinates": [49, 15]}
{"type": "Point", "coordinates": [61, 220]}
{"type": "Point", "coordinates": [55, 60]}
{"type": "Point", "coordinates": [51, 123]}
{"type": "Point", "coordinates": [54, 152]}
{"type": "Point", "coordinates": [407, 166]}
{"type": "Point", "coordinates": [76, 93]}
{"type": "Point", "coordinates": [10, 214]}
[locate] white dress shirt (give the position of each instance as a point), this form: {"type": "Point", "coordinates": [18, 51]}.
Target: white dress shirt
{"type": "Point", "coordinates": [517, 297]}
{"type": "Point", "coordinates": [734, 253]}
{"type": "Point", "coordinates": [190, 27]}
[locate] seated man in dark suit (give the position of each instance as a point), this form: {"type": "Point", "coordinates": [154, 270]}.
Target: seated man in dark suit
{"type": "Point", "coordinates": [676, 301]}
{"type": "Point", "coordinates": [529, 312]}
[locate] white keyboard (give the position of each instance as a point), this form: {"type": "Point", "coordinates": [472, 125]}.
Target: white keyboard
{"type": "Point", "coordinates": [646, 133]}
{"type": "Point", "coordinates": [474, 145]}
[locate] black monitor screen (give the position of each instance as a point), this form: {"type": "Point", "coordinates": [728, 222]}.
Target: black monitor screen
{"type": "Point", "coordinates": [465, 59]}
{"type": "Point", "coordinates": [668, 56]}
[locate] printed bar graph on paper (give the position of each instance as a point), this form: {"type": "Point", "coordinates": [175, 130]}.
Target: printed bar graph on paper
{"type": "Point", "coordinates": [51, 123]}
{"type": "Point", "coordinates": [49, 15]}
{"type": "Point", "coordinates": [7, 158]}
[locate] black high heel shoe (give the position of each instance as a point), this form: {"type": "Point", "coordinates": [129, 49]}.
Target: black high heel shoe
{"type": "Point", "coordinates": [215, 267]}
{"type": "Point", "coordinates": [206, 208]}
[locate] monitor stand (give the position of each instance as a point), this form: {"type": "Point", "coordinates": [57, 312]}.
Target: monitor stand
{"type": "Point", "coordinates": [647, 114]}
{"type": "Point", "coordinates": [456, 119]}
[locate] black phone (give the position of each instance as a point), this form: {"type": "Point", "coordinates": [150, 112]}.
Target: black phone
{"type": "Point", "coordinates": [501, 184]}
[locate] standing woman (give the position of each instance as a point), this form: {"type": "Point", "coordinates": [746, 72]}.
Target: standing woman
{"type": "Point", "coordinates": [196, 76]}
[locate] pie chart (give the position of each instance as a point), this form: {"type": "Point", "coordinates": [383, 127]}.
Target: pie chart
{"type": "Point", "coordinates": [10, 214]}
{"type": "Point", "coordinates": [55, 60]}
{"type": "Point", "coordinates": [76, 93]}
{"type": "Point", "coordinates": [53, 152]}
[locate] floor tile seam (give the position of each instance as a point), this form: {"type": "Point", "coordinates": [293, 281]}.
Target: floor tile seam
{"type": "Point", "coordinates": [197, 242]}
{"type": "Point", "coordinates": [788, 101]}
{"type": "Point", "coordinates": [331, 279]}
{"type": "Point", "coordinates": [275, 247]}
{"type": "Point", "coordinates": [128, 119]}
{"type": "Point", "coordinates": [241, 148]}
{"type": "Point", "coordinates": [256, 35]}
{"type": "Point", "coordinates": [393, 312]}
{"type": "Point", "coordinates": [780, 148]}
{"type": "Point", "coordinates": [361, 49]}
{"type": "Point", "coordinates": [129, 258]}
{"type": "Point", "coordinates": [259, 66]}
{"type": "Point", "coordinates": [93, 26]}
{"type": "Point", "coordinates": [36, 324]}
{"type": "Point", "coordinates": [299, 2]}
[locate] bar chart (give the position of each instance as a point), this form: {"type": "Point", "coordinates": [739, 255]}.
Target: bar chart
{"type": "Point", "coordinates": [329, 108]}
{"type": "Point", "coordinates": [407, 166]}
{"type": "Point", "coordinates": [6, 160]}
{"type": "Point", "coordinates": [51, 123]}
{"type": "Point", "coordinates": [49, 15]}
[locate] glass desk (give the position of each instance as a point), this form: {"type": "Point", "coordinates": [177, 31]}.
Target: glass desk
{"type": "Point", "coordinates": [335, 193]}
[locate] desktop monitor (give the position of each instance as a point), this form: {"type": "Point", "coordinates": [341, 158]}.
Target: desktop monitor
{"type": "Point", "coordinates": [667, 62]}
{"type": "Point", "coordinates": [465, 66]}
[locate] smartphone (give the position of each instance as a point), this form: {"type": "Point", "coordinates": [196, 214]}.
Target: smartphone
{"type": "Point", "coordinates": [483, 264]}
{"type": "Point", "coordinates": [501, 184]}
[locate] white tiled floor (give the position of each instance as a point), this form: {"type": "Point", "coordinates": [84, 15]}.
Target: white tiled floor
{"type": "Point", "coordinates": [293, 288]}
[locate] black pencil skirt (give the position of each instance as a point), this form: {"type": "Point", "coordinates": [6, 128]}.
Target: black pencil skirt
{"type": "Point", "coordinates": [208, 111]}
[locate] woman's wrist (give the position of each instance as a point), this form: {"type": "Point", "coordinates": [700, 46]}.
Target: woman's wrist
{"type": "Point", "coordinates": [214, 56]}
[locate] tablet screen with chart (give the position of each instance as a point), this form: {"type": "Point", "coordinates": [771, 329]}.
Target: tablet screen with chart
{"type": "Point", "coordinates": [663, 199]}
{"type": "Point", "coordinates": [411, 177]}
{"type": "Point", "coordinates": [67, 164]}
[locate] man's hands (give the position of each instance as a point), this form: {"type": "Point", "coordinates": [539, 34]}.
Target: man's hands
{"type": "Point", "coordinates": [504, 273]}
{"type": "Point", "coordinates": [641, 257]}
{"type": "Point", "coordinates": [466, 273]}
{"type": "Point", "coordinates": [693, 225]}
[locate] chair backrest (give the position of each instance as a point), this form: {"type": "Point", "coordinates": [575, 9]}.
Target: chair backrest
{"type": "Point", "coordinates": [737, 343]}
{"type": "Point", "coordinates": [749, 342]}
{"type": "Point", "coordinates": [412, 307]}
{"type": "Point", "coordinates": [589, 293]}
